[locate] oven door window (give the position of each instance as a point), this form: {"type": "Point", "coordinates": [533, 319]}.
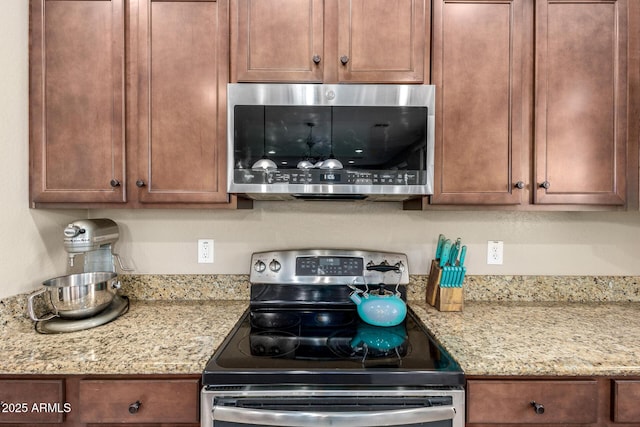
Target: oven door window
{"type": "Point", "coordinates": [334, 411]}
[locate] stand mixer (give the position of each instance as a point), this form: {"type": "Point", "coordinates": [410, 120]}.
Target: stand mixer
{"type": "Point", "coordinates": [92, 240]}
{"type": "Point", "coordinates": [87, 296]}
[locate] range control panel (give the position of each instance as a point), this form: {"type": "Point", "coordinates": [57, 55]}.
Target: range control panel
{"type": "Point", "coordinates": [328, 266]}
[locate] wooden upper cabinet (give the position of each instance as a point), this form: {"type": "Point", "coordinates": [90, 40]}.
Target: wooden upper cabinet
{"type": "Point", "coordinates": [182, 67]}
{"type": "Point", "coordinates": [364, 41]}
{"type": "Point", "coordinates": [581, 101]}
{"type": "Point", "coordinates": [278, 40]}
{"type": "Point", "coordinates": [478, 59]}
{"type": "Point", "coordinates": [76, 98]}
{"type": "Point", "coordinates": [381, 41]}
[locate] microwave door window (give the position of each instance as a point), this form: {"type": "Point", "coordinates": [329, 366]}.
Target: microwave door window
{"type": "Point", "coordinates": [381, 138]}
{"type": "Point", "coordinates": [366, 138]}
{"type": "Point", "coordinates": [285, 134]}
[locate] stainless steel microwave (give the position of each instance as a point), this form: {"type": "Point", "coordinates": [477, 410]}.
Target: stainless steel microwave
{"type": "Point", "coordinates": [320, 141]}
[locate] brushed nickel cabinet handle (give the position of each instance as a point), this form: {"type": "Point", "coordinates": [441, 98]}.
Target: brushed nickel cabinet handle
{"type": "Point", "coordinates": [344, 59]}
{"type": "Point", "coordinates": [545, 185]}
{"type": "Point", "coordinates": [140, 183]}
{"type": "Point", "coordinates": [114, 183]}
{"type": "Point", "coordinates": [316, 59]}
{"type": "Point", "coordinates": [519, 185]}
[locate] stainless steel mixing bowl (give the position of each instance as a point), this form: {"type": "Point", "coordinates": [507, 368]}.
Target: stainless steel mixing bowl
{"type": "Point", "coordinates": [76, 296]}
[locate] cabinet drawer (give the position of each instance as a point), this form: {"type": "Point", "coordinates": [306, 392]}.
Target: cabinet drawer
{"type": "Point", "coordinates": [32, 401]}
{"type": "Point", "coordinates": [625, 401]}
{"type": "Point", "coordinates": [139, 401]}
{"type": "Point", "coordinates": [501, 402]}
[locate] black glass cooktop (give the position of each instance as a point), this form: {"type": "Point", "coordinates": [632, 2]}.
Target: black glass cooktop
{"type": "Point", "coordinates": [329, 346]}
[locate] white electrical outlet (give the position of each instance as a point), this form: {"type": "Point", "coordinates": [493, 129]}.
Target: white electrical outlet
{"type": "Point", "coordinates": [495, 252]}
{"type": "Point", "coordinates": [205, 251]}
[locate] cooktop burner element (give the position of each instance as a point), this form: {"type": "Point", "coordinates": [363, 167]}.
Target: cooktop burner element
{"type": "Point", "coordinates": [301, 327]}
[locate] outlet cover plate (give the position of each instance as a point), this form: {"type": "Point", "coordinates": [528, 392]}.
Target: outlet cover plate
{"type": "Point", "coordinates": [205, 251]}
{"type": "Point", "coordinates": [495, 252]}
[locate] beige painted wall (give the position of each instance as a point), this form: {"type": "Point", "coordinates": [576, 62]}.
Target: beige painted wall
{"type": "Point", "coordinates": [164, 241]}
{"type": "Point", "coordinates": [535, 243]}
{"type": "Point", "coordinates": [30, 242]}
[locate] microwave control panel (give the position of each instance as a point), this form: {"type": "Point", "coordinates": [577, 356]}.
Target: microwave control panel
{"type": "Point", "coordinates": [326, 176]}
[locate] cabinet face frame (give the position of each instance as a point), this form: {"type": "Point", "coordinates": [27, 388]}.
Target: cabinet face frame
{"type": "Point", "coordinates": [548, 132]}
{"type": "Point", "coordinates": [186, 188]}
{"type": "Point", "coordinates": [451, 185]}
{"type": "Point", "coordinates": [54, 130]}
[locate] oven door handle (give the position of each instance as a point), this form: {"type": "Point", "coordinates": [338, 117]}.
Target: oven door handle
{"type": "Point", "coordinates": [261, 417]}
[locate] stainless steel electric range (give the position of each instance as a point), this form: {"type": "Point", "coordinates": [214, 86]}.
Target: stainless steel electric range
{"type": "Point", "coordinates": [301, 355]}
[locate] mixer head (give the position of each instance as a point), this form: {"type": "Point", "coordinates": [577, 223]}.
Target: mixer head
{"type": "Point", "coordinates": [86, 235]}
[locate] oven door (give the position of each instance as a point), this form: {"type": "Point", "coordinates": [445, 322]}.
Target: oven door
{"type": "Point", "coordinates": [337, 408]}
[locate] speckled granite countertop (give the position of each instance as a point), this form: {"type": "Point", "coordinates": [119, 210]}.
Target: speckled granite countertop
{"type": "Point", "coordinates": [175, 324]}
{"type": "Point", "coordinates": [539, 338]}
{"type": "Point", "coordinates": [154, 337]}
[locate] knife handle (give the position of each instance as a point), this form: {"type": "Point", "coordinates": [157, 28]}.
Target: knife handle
{"type": "Point", "coordinates": [441, 240]}
{"type": "Point", "coordinates": [463, 254]}
{"type": "Point", "coordinates": [444, 254]}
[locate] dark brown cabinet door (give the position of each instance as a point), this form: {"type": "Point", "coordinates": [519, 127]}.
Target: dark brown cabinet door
{"type": "Point", "coordinates": [363, 41]}
{"type": "Point", "coordinates": [183, 71]}
{"type": "Point", "coordinates": [76, 95]}
{"type": "Point", "coordinates": [512, 402]}
{"type": "Point", "coordinates": [581, 101]}
{"type": "Point", "coordinates": [277, 40]}
{"type": "Point", "coordinates": [382, 41]}
{"type": "Point", "coordinates": [32, 401]}
{"type": "Point", "coordinates": [478, 50]}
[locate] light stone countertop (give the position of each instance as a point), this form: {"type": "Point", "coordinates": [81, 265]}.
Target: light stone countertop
{"type": "Point", "coordinates": [175, 323]}
{"type": "Point", "coordinates": [154, 337]}
{"type": "Point", "coordinates": [539, 338]}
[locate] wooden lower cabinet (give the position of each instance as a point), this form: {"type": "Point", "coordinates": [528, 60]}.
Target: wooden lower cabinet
{"type": "Point", "coordinates": [533, 402]}
{"type": "Point", "coordinates": [626, 399]}
{"type": "Point", "coordinates": [79, 401]}
{"type": "Point", "coordinates": [552, 401]}
{"type": "Point", "coordinates": [139, 401]}
{"type": "Point", "coordinates": [32, 401]}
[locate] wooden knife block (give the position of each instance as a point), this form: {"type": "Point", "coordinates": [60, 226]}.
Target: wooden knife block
{"type": "Point", "coordinates": [444, 299]}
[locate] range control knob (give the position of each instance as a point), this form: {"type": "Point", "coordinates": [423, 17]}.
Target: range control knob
{"type": "Point", "coordinates": [275, 265]}
{"type": "Point", "coordinates": [400, 266]}
{"type": "Point", "coordinates": [259, 266]}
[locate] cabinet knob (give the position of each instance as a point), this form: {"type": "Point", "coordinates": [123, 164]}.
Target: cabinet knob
{"type": "Point", "coordinates": [519, 185]}
{"type": "Point", "coordinates": [316, 59]}
{"type": "Point", "coordinates": [114, 183]}
{"type": "Point", "coordinates": [133, 408]}
{"type": "Point", "coordinates": [139, 183]}
{"type": "Point", "coordinates": [545, 185]}
{"type": "Point", "coordinates": [344, 59]}
{"type": "Point", "coordinates": [537, 407]}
